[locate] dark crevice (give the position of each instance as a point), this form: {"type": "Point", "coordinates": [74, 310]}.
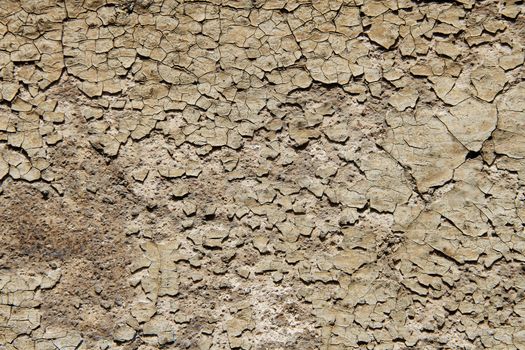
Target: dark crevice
{"type": "Point", "coordinates": [473, 154]}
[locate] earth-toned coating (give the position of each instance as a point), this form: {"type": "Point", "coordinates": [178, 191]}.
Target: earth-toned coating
{"type": "Point", "coordinates": [262, 174]}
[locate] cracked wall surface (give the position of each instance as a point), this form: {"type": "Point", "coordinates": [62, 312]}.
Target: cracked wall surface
{"type": "Point", "coordinates": [262, 174]}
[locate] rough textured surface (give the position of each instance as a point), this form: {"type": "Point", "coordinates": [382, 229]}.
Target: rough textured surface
{"type": "Point", "coordinates": [262, 174]}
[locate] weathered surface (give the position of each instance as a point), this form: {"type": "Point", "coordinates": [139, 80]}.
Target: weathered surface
{"type": "Point", "coordinates": [262, 174]}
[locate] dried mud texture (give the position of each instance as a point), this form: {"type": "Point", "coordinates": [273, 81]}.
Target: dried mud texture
{"type": "Point", "coordinates": [262, 174]}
